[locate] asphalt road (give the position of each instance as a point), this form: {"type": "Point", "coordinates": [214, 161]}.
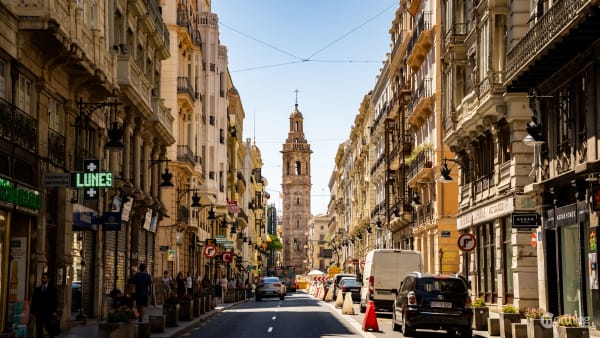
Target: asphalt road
{"type": "Point", "coordinates": [299, 315]}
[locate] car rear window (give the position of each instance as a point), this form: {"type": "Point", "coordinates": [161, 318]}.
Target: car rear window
{"type": "Point", "coordinates": [350, 282]}
{"type": "Point", "coordinates": [441, 285]}
{"type": "Point", "coordinates": [271, 280]}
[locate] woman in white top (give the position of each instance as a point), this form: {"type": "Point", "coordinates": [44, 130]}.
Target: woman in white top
{"type": "Point", "coordinates": [224, 283]}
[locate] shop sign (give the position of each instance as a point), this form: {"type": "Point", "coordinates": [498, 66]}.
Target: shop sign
{"type": "Point", "coordinates": [111, 221]}
{"type": "Point", "coordinates": [91, 178]}
{"type": "Point", "coordinates": [171, 255]}
{"type": "Point", "coordinates": [566, 215]}
{"type": "Point", "coordinates": [20, 196]}
{"type": "Point", "coordinates": [86, 220]}
{"type": "Point", "coordinates": [485, 213]}
{"type": "Point", "coordinates": [228, 244]}
{"type": "Point", "coordinates": [525, 219]}
{"type": "Point", "coordinates": [163, 248]}
{"type": "Point", "coordinates": [221, 239]}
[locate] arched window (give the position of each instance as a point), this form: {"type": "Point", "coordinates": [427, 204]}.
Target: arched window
{"type": "Point", "coordinates": [297, 126]}
{"type": "Point", "coordinates": [287, 168]}
{"type": "Point", "coordinates": [298, 168]}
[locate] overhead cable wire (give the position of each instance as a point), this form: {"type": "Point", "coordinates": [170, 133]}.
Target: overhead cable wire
{"type": "Point", "coordinates": [262, 42]}
{"type": "Point", "coordinates": [351, 31]}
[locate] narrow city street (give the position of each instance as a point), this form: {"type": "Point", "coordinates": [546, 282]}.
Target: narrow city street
{"type": "Point", "coordinates": [299, 315]}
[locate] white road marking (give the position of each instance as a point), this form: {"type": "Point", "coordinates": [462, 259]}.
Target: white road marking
{"type": "Point", "coordinates": [270, 329]}
{"type": "Point", "coordinates": [274, 317]}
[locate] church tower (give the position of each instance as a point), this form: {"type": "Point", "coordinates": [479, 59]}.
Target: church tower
{"type": "Point", "coordinates": [296, 193]}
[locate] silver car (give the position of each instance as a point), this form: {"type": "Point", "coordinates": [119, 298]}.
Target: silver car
{"type": "Point", "coordinates": [270, 287]}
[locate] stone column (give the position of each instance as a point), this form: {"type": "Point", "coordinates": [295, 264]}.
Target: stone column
{"type": "Point", "coordinates": [127, 131]}
{"type": "Point", "coordinates": [137, 152]}
{"type": "Point", "coordinates": [525, 273]}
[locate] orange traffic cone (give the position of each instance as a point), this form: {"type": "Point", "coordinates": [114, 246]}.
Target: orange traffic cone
{"type": "Point", "coordinates": [370, 320]}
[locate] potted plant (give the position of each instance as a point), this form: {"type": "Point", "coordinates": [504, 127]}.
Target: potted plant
{"type": "Point", "coordinates": [171, 311]}
{"type": "Point", "coordinates": [119, 323]}
{"type": "Point", "coordinates": [481, 313]}
{"type": "Point", "coordinates": [539, 323]}
{"type": "Point", "coordinates": [569, 326]}
{"type": "Point", "coordinates": [185, 307]}
{"type": "Point", "coordinates": [510, 314]}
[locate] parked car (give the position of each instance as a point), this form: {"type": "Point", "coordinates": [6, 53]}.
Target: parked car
{"type": "Point", "coordinates": [435, 302]}
{"type": "Point", "coordinates": [352, 285]}
{"type": "Point", "coordinates": [384, 270]}
{"type": "Point", "coordinates": [336, 279]}
{"type": "Point", "coordinates": [270, 287]}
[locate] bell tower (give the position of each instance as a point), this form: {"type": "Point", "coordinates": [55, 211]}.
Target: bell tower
{"type": "Point", "coordinates": [296, 187]}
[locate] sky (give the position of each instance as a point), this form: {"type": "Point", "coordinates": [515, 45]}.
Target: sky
{"type": "Point", "coordinates": [331, 51]}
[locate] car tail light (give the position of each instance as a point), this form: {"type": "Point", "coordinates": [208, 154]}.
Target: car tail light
{"type": "Point", "coordinates": [468, 304]}
{"type": "Point", "coordinates": [345, 289]}
{"type": "Point", "coordinates": [277, 285]}
{"type": "Point", "coordinates": [412, 299]}
{"type": "Point", "coordinates": [371, 285]}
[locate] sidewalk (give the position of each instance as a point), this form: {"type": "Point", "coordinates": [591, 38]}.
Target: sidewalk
{"type": "Point", "coordinates": [90, 330]}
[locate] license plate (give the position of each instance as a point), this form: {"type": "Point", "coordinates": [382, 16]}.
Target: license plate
{"type": "Point", "coordinates": [446, 305]}
{"type": "Point", "coordinates": [353, 290]}
{"type": "Point", "coordinates": [383, 292]}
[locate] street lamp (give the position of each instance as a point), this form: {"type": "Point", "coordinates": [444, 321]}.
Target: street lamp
{"type": "Point", "coordinates": [445, 171]}
{"type": "Point", "coordinates": [166, 176]}
{"type": "Point", "coordinates": [534, 128]}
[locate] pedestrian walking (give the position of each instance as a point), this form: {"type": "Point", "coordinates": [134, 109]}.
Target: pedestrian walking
{"type": "Point", "coordinates": [224, 284]}
{"type": "Point", "coordinates": [180, 282]}
{"type": "Point", "coordinates": [167, 285]}
{"type": "Point", "coordinates": [43, 306]}
{"type": "Point", "coordinates": [189, 284]}
{"type": "Point", "coordinates": [143, 283]}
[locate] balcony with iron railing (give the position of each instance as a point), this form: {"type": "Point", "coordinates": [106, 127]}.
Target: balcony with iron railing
{"type": "Point", "coordinates": [400, 150]}
{"type": "Point", "coordinates": [185, 154]}
{"type": "Point", "coordinates": [183, 20]}
{"type": "Point", "coordinates": [421, 41]}
{"type": "Point", "coordinates": [17, 126]}
{"type": "Point", "coordinates": [454, 37]}
{"type": "Point", "coordinates": [548, 29]}
{"type": "Point", "coordinates": [186, 94]}
{"type": "Point", "coordinates": [162, 39]}
{"type": "Point", "coordinates": [56, 148]}
{"type": "Point", "coordinates": [380, 160]}
{"type": "Point", "coordinates": [420, 167]}
{"type": "Point", "coordinates": [162, 120]}
{"type": "Point", "coordinates": [421, 103]}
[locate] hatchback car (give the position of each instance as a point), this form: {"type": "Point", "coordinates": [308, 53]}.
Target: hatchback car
{"type": "Point", "coordinates": [270, 287]}
{"type": "Point", "coordinates": [435, 302]}
{"type": "Point", "coordinates": [352, 285]}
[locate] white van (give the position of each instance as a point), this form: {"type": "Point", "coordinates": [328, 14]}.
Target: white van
{"type": "Point", "coordinates": [384, 270]}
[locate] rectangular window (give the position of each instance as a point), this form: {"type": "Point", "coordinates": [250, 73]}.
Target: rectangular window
{"type": "Point", "coordinates": [54, 115]}
{"type": "Point", "coordinates": [24, 94]}
{"type": "Point", "coordinates": [508, 255]}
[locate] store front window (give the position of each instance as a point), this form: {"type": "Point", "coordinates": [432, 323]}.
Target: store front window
{"type": "Point", "coordinates": [570, 269]}
{"type": "Point", "coordinates": [508, 256]}
{"type": "Point", "coordinates": [486, 258]}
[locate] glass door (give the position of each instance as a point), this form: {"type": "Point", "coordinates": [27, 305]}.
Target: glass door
{"type": "Point", "coordinates": [570, 270]}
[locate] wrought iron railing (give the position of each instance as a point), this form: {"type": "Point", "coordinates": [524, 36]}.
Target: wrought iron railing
{"type": "Point", "coordinates": [424, 90]}
{"type": "Point", "coordinates": [456, 33]}
{"type": "Point", "coordinates": [185, 154]}
{"type": "Point", "coordinates": [184, 86]}
{"type": "Point", "coordinates": [17, 126]}
{"type": "Point", "coordinates": [545, 30]}
{"type": "Point", "coordinates": [56, 148]}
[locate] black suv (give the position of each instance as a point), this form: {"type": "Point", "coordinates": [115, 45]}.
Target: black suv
{"type": "Point", "coordinates": [434, 302]}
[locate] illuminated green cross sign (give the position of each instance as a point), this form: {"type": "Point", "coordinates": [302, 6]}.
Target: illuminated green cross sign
{"type": "Point", "coordinates": [91, 178]}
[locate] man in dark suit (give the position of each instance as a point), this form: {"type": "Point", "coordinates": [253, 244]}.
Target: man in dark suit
{"type": "Point", "coordinates": [43, 306]}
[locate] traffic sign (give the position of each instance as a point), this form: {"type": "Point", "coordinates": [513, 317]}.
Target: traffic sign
{"type": "Point", "coordinates": [467, 242]}
{"type": "Point", "coordinates": [209, 251]}
{"type": "Point", "coordinates": [51, 180]}
{"type": "Point", "coordinates": [227, 257]}
{"type": "Point", "coordinates": [221, 239]}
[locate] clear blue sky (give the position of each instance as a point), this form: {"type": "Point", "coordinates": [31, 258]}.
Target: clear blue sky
{"type": "Point", "coordinates": [267, 41]}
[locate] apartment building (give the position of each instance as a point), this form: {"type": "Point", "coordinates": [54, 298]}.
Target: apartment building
{"type": "Point", "coordinates": [79, 93]}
